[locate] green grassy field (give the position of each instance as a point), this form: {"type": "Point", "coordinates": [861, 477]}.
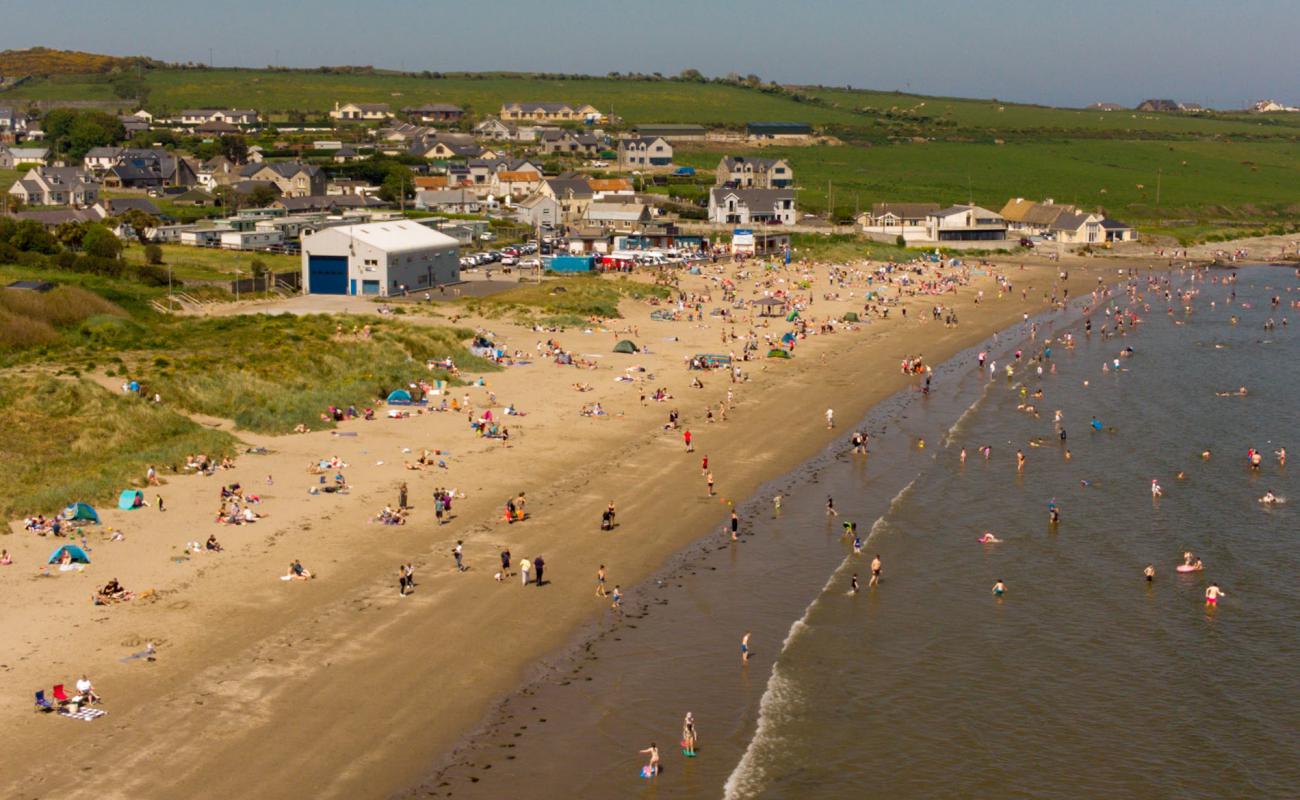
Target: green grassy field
{"type": "Point", "coordinates": [569, 301]}
{"type": "Point", "coordinates": [1197, 179]}
{"type": "Point", "coordinates": [205, 263]}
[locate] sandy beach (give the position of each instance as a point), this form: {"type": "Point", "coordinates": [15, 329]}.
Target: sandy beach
{"type": "Point", "coordinates": [339, 687]}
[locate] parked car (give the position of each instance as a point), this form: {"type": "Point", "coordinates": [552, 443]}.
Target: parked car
{"type": "Point", "coordinates": [1025, 241]}
{"type": "Point", "coordinates": [487, 236]}
{"type": "Point", "coordinates": [508, 260]}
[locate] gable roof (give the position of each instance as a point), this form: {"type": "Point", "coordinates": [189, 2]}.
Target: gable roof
{"type": "Point", "coordinates": [609, 184]}
{"type": "Point", "coordinates": [577, 188]}
{"type": "Point", "coordinates": [904, 210]}
{"type": "Point", "coordinates": [730, 163]}
{"type": "Point", "coordinates": [395, 236]}
{"type": "Point", "coordinates": [752, 197]}
{"type": "Point", "coordinates": [1070, 221]}
{"type": "Point", "coordinates": [120, 205]}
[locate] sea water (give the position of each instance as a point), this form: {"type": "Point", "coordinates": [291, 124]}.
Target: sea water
{"type": "Point", "coordinates": [1083, 680]}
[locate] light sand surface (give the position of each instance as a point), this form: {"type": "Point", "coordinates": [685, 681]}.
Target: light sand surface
{"type": "Point", "coordinates": [338, 687]}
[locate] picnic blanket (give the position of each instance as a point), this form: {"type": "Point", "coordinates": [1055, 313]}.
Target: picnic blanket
{"type": "Point", "coordinates": [85, 714]}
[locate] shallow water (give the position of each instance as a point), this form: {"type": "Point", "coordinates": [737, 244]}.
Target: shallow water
{"type": "Point", "coordinates": [1082, 681]}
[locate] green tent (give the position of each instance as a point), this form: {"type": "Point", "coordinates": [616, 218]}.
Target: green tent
{"type": "Point", "coordinates": [851, 316]}
{"type": "Point", "coordinates": [777, 352]}
{"type": "Point", "coordinates": [792, 316]}
{"type": "Point", "coordinates": [81, 511]}
{"type": "Point", "coordinates": [625, 346]}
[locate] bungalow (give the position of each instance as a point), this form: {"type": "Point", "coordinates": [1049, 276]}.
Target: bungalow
{"type": "Point", "coordinates": [593, 239]}
{"type": "Point", "coordinates": [196, 197]}
{"type": "Point", "coordinates": [53, 218]}
{"type": "Point", "coordinates": [559, 112]}
{"type": "Point", "coordinates": [443, 148]}
{"type": "Point", "coordinates": [133, 124]}
{"type": "Point", "coordinates": [232, 116]}
{"type": "Point", "coordinates": [149, 169]}
{"type": "Point", "coordinates": [515, 184]}
{"type": "Point", "coordinates": [116, 206]}
{"type": "Point", "coordinates": [617, 214]}
{"type": "Point", "coordinates": [12, 121]}
{"type": "Point", "coordinates": [11, 157]}
{"type": "Point", "coordinates": [452, 201]}
{"type": "Point", "coordinates": [250, 240]}
{"type": "Point", "coordinates": [432, 182]}
{"type": "Point", "coordinates": [217, 128]}
{"type": "Point", "coordinates": [293, 178]}
{"type": "Point", "coordinates": [538, 210]}
{"type": "Point", "coordinates": [965, 223]}
{"type": "Point", "coordinates": [346, 154]}
{"type": "Point", "coordinates": [768, 131]}
{"type": "Point", "coordinates": [729, 206]}
{"type": "Point", "coordinates": [403, 132]}
{"type": "Point", "coordinates": [897, 219]}
{"type": "Point", "coordinates": [204, 237]}
{"type": "Point", "coordinates": [1117, 231]}
{"type": "Point", "coordinates": [606, 188]}
{"type": "Point", "coordinates": [644, 152]}
{"type": "Point", "coordinates": [361, 112]}
{"type": "Point", "coordinates": [56, 186]}
{"type": "Point", "coordinates": [433, 113]}
{"type": "Point", "coordinates": [745, 172]}
{"type": "Point", "coordinates": [342, 186]}
{"type": "Point", "coordinates": [556, 141]}
{"type": "Point", "coordinates": [673, 133]}
{"type": "Point", "coordinates": [1031, 218]}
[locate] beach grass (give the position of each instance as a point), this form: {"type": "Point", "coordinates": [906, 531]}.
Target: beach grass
{"type": "Point", "coordinates": [565, 300]}
{"type": "Point", "coordinates": [68, 440]}
{"type": "Point", "coordinates": [211, 263]}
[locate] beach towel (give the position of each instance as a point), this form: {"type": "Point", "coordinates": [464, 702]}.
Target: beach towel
{"type": "Point", "coordinates": [85, 714]}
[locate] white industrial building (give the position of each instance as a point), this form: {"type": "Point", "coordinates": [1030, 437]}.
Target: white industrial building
{"type": "Point", "coordinates": [378, 258]}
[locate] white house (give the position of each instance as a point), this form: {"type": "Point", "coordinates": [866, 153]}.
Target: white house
{"type": "Point", "coordinates": [897, 219]}
{"type": "Point", "coordinates": [644, 152]}
{"type": "Point", "coordinates": [56, 186]}
{"type": "Point", "coordinates": [232, 116]}
{"type": "Point", "coordinates": [751, 206]}
{"type": "Point", "coordinates": [965, 223]}
{"type": "Point", "coordinates": [256, 239]}
{"type": "Point", "coordinates": [11, 157]}
{"type": "Point", "coordinates": [378, 258]}
{"type": "Point", "coordinates": [361, 112]}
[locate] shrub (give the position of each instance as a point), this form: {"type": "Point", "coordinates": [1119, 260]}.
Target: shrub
{"type": "Point", "coordinates": [153, 254]}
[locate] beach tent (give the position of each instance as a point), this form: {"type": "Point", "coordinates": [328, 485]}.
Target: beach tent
{"type": "Point", "coordinates": [787, 337]}
{"type": "Point", "coordinates": [399, 397]}
{"type": "Point", "coordinates": [129, 499]}
{"type": "Point", "coordinates": [777, 352]}
{"type": "Point", "coordinates": [768, 306]}
{"type": "Point", "coordinates": [851, 316]}
{"type": "Point", "coordinates": [792, 316]}
{"type": "Point", "coordinates": [78, 555]}
{"type": "Point", "coordinates": [625, 346]}
{"type": "Point", "coordinates": [78, 511]}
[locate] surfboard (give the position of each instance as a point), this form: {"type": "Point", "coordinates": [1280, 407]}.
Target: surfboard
{"type": "Point", "coordinates": [1185, 568]}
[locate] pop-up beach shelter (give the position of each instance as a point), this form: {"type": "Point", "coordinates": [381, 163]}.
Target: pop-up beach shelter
{"type": "Point", "coordinates": [625, 346]}
{"type": "Point", "coordinates": [399, 397]}
{"type": "Point", "coordinates": [80, 511]}
{"type": "Point", "coordinates": [129, 499]}
{"type": "Point", "coordinates": [76, 553]}
{"type": "Point", "coordinates": [777, 352]}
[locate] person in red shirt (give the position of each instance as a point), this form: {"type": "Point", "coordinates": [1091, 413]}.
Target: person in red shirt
{"type": "Point", "coordinates": [686, 437]}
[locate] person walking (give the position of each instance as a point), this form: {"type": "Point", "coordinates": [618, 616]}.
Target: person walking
{"type": "Point", "coordinates": [538, 565]}
{"type": "Point", "coordinates": [402, 584]}
{"type": "Point", "coordinates": [458, 553]}
{"type": "Point", "coordinates": [709, 478]}
{"type": "Point", "coordinates": [686, 437]}
{"type": "Point", "coordinates": [875, 570]}
{"type": "Point", "coordinates": [617, 596]}
{"type": "Point", "coordinates": [524, 567]}
{"type": "Point", "coordinates": [401, 496]}
{"type": "Point", "coordinates": [505, 562]}
{"type": "Point", "coordinates": [735, 526]}
{"type": "Point", "coordinates": [600, 582]}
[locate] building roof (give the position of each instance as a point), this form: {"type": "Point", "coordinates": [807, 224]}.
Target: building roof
{"type": "Point", "coordinates": [524, 175]}
{"type": "Point", "coordinates": [325, 202]}
{"type": "Point", "coordinates": [1115, 225]}
{"type": "Point", "coordinates": [55, 217]}
{"type": "Point", "coordinates": [1069, 220]}
{"type": "Point", "coordinates": [778, 128]}
{"type": "Point", "coordinates": [762, 198]}
{"type": "Point", "coordinates": [392, 236]}
{"type": "Point", "coordinates": [369, 106]}
{"type": "Point", "coordinates": [430, 108]}
{"type": "Point", "coordinates": [564, 188]}
{"type": "Point", "coordinates": [670, 130]}
{"type": "Point", "coordinates": [21, 154]}
{"type": "Point", "coordinates": [617, 212]}
{"type": "Point", "coordinates": [962, 209]}
{"type": "Point", "coordinates": [120, 205]}
{"type": "Point", "coordinates": [904, 210]}
{"type": "Point", "coordinates": [730, 163]}
{"type": "Point", "coordinates": [533, 107]}
{"type": "Point", "coordinates": [610, 184]}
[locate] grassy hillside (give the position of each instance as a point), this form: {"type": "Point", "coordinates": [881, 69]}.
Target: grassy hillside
{"type": "Point", "coordinates": [1197, 179]}
{"type": "Point", "coordinates": [44, 61]}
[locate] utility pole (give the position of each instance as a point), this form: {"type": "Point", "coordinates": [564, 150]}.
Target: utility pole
{"type": "Point", "coordinates": [830, 200]}
{"type": "Point", "coordinates": [1159, 173]}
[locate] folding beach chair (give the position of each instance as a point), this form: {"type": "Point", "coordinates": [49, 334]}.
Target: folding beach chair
{"type": "Point", "coordinates": [41, 703]}
{"type": "Point", "coordinates": [61, 695]}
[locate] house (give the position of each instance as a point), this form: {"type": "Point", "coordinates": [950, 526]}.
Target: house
{"type": "Point", "coordinates": [403, 132]}
{"type": "Point", "coordinates": [1076, 227]}
{"type": "Point", "coordinates": [556, 141]}
{"type": "Point", "coordinates": [101, 158]}
{"type": "Point", "coordinates": [1105, 107]}
{"type": "Point", "coordinates": [608, 188]}
{"type": "Point", "coordinates": [117, 206]}
{"type": "Point", "coordinates": [777, 130]}
{"type": "Point", "coordinates": [231, 116]}
{"type": "Point", "coordinates": [572, 193]}
{"type": "Point", "coordinates": [293, 178]}
{"type": "Point", "coordinates": [56, 186]}
{"type": "Point", "coordinates": [53, 218]}
{"type": "Point", "coordinates": [897, 219]}
{"type": "Point", "coordinates": [216, 128]}
{"type": "Point", "coordinates": [1271, 107]}
{"type": "Point", "coordinates": [361, 112]}
{"type": "Point", "coordinates": [493, 128]}
{"type": "Point", "coordinates": [617, 214]}
{"type": "Point", "coordinates": [644, 152]}
{"type": "Point", "coordinates": [133, 124]}
{"type": "Point", "coordinates": [539, 210]}
{"type": "Point", "coordinates": [1031, 218]}
{"type": "Point", "coordinates": [378, 258]}
{"type": "Point", "coordinates": [216, 171]}
{"type": "Point", "coordinates": [549, 112]}
{"type": "Point", "coordinates": [11, 121]}
{"type": "Point", "coordinates": [330, 203]}
{"type": "Point", "coordinates": [673, 133]}
{"type": "Point", "coordinates": [142, 169]}
{"type": "Point", "coordinates": [11, 157]}
{"type": "Point", "coordinates": [751, 206]}
{"type": "Point", "coordinates": [446, 146]}
{"type": "Point", "coordinates": [746, 172]}
{"type": "Point", "coordinates": [514, 184]}
{"type": "Point", "coordinates": [432, 182]}
{"type": "Point", "coordinates": [965, 223]}
{"type": "Point", "coordinates": [194, 198]}
{"type": "Point", "coordinates": [340, 186]}
{"type": "Point", "coordinates": [452, 201]}
{"type": "Point", "coordinates": [590, 239]}
{"type": "Point", "coordinates": [1157, 105]}
{"type": "Point", "coordinates": [434, 113]}
{"type": "Point", "coordinates": [346, 154]}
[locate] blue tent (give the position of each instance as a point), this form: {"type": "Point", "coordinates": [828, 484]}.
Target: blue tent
{"type": "Point", "coordinates": [78, 555]}
{"type": "Point", "coordinates": [399, 397]}
{"type": "Point", "coordinates": [81, 511]}
{"type": "Point", "coordinates": [787, 337]}
{"type": "Point", "coordinates": [129, 499]}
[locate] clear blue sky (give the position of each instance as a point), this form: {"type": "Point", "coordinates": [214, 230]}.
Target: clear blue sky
{"type": "Point", "coordinates": [1219, 53]}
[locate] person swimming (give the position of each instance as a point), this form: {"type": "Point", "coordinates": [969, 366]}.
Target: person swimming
{"type": "Point", "coordinates": [1149, 572]}
{"type": "Point", "coordinates": [989, 538]}
{"type": "Point", "coordinates": [1156, 491]}
{"type": "Point", "coordinates": [1269, 498]}
{"type": "Point", "coordinates": [999, 588]}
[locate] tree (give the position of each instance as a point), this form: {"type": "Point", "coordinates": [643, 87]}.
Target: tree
{"type": "Point", "coordinates": [235, 148]}
{"type": "Point", "coordinates": [70, 234]}
{"type": "Point", "coordinates": [31, 236]}
{"type": "Point", "coordinates": [74, 131]}
{"type": "Point", "coordinates": [140, 222]}
{"type": "Point", "coordinates": [263, 196]}
{"type": "Point", "coordinates": [399, 183]}
{"type": "Point", "coordinates": [100, 242]}
{"type": "Point", "coordinates": [153, 254]}
{"type": "Point", "coordinates": [692, 75]}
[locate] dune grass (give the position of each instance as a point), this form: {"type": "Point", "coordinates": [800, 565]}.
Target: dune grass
{"type": "Point", "coordinates": [69, 439]}
{"type": "Point", "coordinates": [210, 263]}
{"type": "Point", "coordinates": [33, 319]}
{"type": "Point", "coordinates": [564, 300]}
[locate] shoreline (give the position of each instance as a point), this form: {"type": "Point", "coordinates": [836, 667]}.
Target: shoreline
{"type": "Point", "coordinates": [270, 683]}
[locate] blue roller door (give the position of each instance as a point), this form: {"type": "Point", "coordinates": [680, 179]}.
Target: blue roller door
{"type": "Point", "coordinates": [327, 274]}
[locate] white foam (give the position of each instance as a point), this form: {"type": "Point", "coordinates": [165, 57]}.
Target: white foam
{"type": "Point", "coordinates": [781, 696]}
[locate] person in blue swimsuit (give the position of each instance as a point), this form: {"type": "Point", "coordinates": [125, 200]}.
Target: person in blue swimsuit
{"type": "Point", "coordinates": [744, 648]}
